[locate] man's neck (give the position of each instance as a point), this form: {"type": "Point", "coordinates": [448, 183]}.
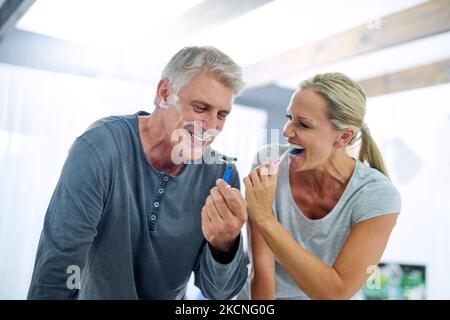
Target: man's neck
{"type": "Point", "coordinates": [156, 144]}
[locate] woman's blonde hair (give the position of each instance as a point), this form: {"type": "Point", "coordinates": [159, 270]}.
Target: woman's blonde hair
{"type": "Point", "coordinates": [347, 108]}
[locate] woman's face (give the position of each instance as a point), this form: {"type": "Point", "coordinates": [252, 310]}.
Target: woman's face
{"type": "Point", "coordinates": [310, 133]}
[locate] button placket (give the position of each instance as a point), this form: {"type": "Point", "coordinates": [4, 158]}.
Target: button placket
{"type": "Point", "coordinates": [156, 204]}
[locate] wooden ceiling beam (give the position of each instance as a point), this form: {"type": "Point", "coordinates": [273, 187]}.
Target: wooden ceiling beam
{"type": "Point", "coordinates": [421, 76]}
{"type": "Point", "coordinates": [424, 20]}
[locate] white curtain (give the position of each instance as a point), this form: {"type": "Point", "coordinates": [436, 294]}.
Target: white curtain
{"type": "Point", "coordinates": [41, 113]}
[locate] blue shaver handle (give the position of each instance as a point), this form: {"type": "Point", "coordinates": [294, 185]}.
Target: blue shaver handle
{"type": "Point", "coordinates": [227, 174]}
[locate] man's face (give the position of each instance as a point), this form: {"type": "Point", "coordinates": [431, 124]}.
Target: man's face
{"type": "Point", "coordinates": [203, 104]}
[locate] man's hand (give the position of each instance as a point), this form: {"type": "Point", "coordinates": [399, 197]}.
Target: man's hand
{"type": "Point", "coordinates": [223, 216]}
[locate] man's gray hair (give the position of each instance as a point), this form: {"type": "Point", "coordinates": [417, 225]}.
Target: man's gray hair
{"type": "Point", "coordinates": [190, 61]}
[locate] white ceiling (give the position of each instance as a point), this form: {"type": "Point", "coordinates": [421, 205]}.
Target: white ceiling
{"type": "Point", "coordinates": [113, 24]}
{"type": "Point", "coordinates": [286, 24]}
{"type": "Point", "coordinates": [136, 28]}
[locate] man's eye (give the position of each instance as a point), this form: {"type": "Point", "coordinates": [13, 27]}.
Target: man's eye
{"type": "Point", "coordinates": [199, 108]}
{"type": "Point", "coordinates": [288, 116]}
{"type": "Point", "coordinates": [222, 115]}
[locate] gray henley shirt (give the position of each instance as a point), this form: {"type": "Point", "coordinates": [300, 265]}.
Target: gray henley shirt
{"type": "Point", "coordinates": [134, 232]}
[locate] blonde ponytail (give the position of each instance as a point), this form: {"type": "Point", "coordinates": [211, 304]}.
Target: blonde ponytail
{"type": "Point", "coordinates": [369, 151]}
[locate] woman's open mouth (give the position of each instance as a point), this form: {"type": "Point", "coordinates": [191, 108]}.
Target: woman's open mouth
{"type": "Point", "coordinates": [295, 150]}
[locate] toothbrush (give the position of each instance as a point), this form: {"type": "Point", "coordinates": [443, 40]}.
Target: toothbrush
{"type": "Point", "coordinates": [277, 161]}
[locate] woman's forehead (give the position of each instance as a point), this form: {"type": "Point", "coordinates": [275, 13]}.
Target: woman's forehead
{"type": "Point", "coordinates": [308, 103]}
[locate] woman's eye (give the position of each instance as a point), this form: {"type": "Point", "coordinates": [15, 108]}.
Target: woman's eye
{"type": "Point", "coordinates": [300, 123]}
{"type": "Point", "coordinates": [303, 125]}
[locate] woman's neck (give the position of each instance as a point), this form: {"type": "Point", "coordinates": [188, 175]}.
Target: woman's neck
{"type": "Point", "coordinates": [333, 175]}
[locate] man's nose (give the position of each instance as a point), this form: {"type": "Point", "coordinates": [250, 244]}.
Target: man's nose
{"type": "Point", "coordinates": [211, 121]}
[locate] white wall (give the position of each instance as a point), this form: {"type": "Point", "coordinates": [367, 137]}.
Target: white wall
{"type": "Point", "coordinates": [413, 131]}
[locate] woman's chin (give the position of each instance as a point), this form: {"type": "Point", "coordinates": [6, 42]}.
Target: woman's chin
{"type": "Point", "coordinates": [297, 162]}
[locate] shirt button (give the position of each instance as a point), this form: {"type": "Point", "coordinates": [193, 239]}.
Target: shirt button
{"type": "Point", "coordinates": [153, 217]}
{"type": "Point", "coordinates": [156, 204]}
{"type": "Point", "coordinates": [161, 190]}
{"type": "Point", "coordinates": [166, 178]}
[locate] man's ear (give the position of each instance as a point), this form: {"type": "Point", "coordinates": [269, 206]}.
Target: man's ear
{"type": "Point", "coordinates": [162, 91]}
{"type": "Point", "coordinates": [345, 137]}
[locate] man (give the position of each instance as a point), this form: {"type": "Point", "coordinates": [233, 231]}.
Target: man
{"type": "Point", "coordinates": [139, 205]}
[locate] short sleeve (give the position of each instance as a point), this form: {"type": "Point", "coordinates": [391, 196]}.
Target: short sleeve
{"type": "Point", "coordinates": [376, 199]}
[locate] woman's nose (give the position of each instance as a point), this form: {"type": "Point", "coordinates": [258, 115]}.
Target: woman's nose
{"type": "Point", "coordinates": [288, 131]}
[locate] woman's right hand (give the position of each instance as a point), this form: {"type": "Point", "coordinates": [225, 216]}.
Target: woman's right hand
{"type": "Point", "coordinates": [260, 188]}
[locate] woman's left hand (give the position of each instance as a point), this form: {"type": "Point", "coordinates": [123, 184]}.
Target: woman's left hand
{"type": "Point", "coordinates": [260, 188]}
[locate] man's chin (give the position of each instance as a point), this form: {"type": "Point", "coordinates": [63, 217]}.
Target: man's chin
{"type": "Point", "coordinates": [197, 152]}
{"type": "Point", "coordinates": [188, 153]}
{"type": "Point", "coordinates": [196, 156]}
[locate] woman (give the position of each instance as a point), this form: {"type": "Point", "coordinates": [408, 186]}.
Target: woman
{"type": "Point", "coordinates": [320, 219]}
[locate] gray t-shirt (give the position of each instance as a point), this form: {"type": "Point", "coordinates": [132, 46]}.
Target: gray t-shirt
{"type": "Point", "coordinates": [368, 194]}
{"type": "Point", "coordinates": [134, 232]}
